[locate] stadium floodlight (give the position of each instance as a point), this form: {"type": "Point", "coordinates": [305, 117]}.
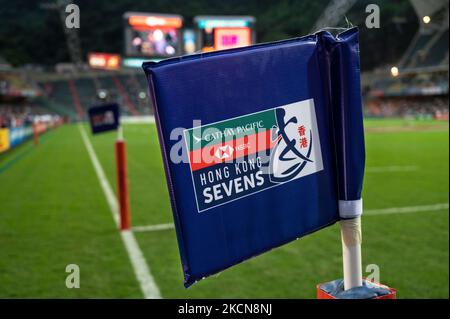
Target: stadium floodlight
{"type": "Point", "coordinates": [394, 71]}
{"type": "Point", "coordinates": [426, 19]}
{"type": "Point", "coordinates": [102, 94]}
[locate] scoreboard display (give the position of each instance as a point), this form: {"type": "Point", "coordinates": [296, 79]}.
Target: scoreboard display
{"type": "Point", "coordinates": [151, 35]}
{"type": "Point", "coordinates": [105, 61]}
{"type": "Point", "coordinates": [227, 38]}
{"type": "Point", "coordinates": [224, 32]}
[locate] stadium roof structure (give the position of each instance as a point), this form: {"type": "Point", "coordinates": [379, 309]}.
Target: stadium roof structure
{"type": "Point", "coordinates": [333, 13]}
{"type": "Point", "coordinates": [14, 85]}
{"type": "Point", "coordinates": [428, 50]}
{"type": "Point", "coordinates": [423, 69]}
{"type": "Point", "coordinates": [429, 7]}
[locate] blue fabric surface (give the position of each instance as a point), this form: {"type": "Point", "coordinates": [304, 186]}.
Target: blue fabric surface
{"type": "Point", "coordinates": [104, 117]}
{"type": "Point", "coordinates": [223, 85]}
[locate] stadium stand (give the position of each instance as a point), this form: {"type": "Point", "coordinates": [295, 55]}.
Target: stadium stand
{"type": "Point", "coordinates": [435, 107]}
{"type": "Point", "coordinates": [70, 95]}
{"type": "Point", "coordinates": [60, 98]}
{"type": "Point", "coordinates": [13, 115]}
{"type": "Point", "coordinates": [423, 75]}
{"type": "Point", "coordinates": [420, 89]}
{"type": "Point", "coordinates": [126, 88]}
{"type": "Point", "coordinates": [137, 92]}
{"type": "Point", "coordinates": [124, 96]}
{"type": "Point", "coordinates": [87, 91]}
{"type": "Point", "coordinates": [19, 99]}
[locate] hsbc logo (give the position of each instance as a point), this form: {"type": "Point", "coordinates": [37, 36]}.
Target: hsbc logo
{"type": "Point", "coordinates": [224, 152]}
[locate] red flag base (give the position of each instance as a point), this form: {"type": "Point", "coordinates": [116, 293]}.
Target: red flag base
{"type": "Point", "coordinates": [321, 294]}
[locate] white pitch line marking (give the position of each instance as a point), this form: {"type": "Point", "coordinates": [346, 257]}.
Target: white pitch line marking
{"type": "Point", "coordinates": [143, 119]}
{"type": "Point", "coordinates": [406, 210]}
{"type": "Point", "coordinates": [370, 212]}
{"type": "Point", "coordinates": [389, 169]}
{"type": "Point", "coordinates": [140, 266]}
{"type": "Point", "coordinates": [153, 227]}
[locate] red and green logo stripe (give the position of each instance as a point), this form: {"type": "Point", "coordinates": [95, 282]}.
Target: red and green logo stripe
{"type": "Point", "coordinates": [229, 140]}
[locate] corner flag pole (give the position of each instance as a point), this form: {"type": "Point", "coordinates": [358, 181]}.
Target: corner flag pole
{"type": "Point", "coordinates": [35, 134]}
{"type": "Point", "coordinates": [351, 252]}
{"type": "Point", "coordinates": [122, 181]}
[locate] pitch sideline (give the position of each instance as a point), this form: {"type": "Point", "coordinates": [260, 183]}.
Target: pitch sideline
{"type": "Point", "coordinates": [407, 209]}
{"type": "Point", "coordinates": [368, 212]}
{"type": "Point", "coordinates": [141, 269]}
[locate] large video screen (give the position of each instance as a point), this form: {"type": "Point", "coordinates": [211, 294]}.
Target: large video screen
{"type": "Point", "coordinates": [224, 32]}
{"type": "Point", "coordinates": [227, 38]}
{"type": "Point", "coordinates": [154, 42]}
{"type": "Point", "coordinates": [105, 61]}
{"type": "Point", "coordinates": [152, 35]}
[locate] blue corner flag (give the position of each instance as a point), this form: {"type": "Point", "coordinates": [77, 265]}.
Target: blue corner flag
{"type": "Point", "coordinates": [261, 145]}
{"type": "Point", "coordinates": [104, 117]}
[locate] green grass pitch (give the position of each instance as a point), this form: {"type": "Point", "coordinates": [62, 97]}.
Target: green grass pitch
{"type": "Point", "coordinates": [53, 213]}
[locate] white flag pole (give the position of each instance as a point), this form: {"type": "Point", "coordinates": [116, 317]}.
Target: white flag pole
{"type": "Point", "coordinates": [351, 252]}
{"type": "Point", "coordinates": [120, 133]}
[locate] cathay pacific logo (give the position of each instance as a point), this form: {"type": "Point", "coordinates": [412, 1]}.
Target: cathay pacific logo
{"type": "Point", "coordinates": [196, 139]}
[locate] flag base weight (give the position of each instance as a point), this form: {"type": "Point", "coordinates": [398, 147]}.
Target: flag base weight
{"type": "Point", "coordinates": [370, 290]}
